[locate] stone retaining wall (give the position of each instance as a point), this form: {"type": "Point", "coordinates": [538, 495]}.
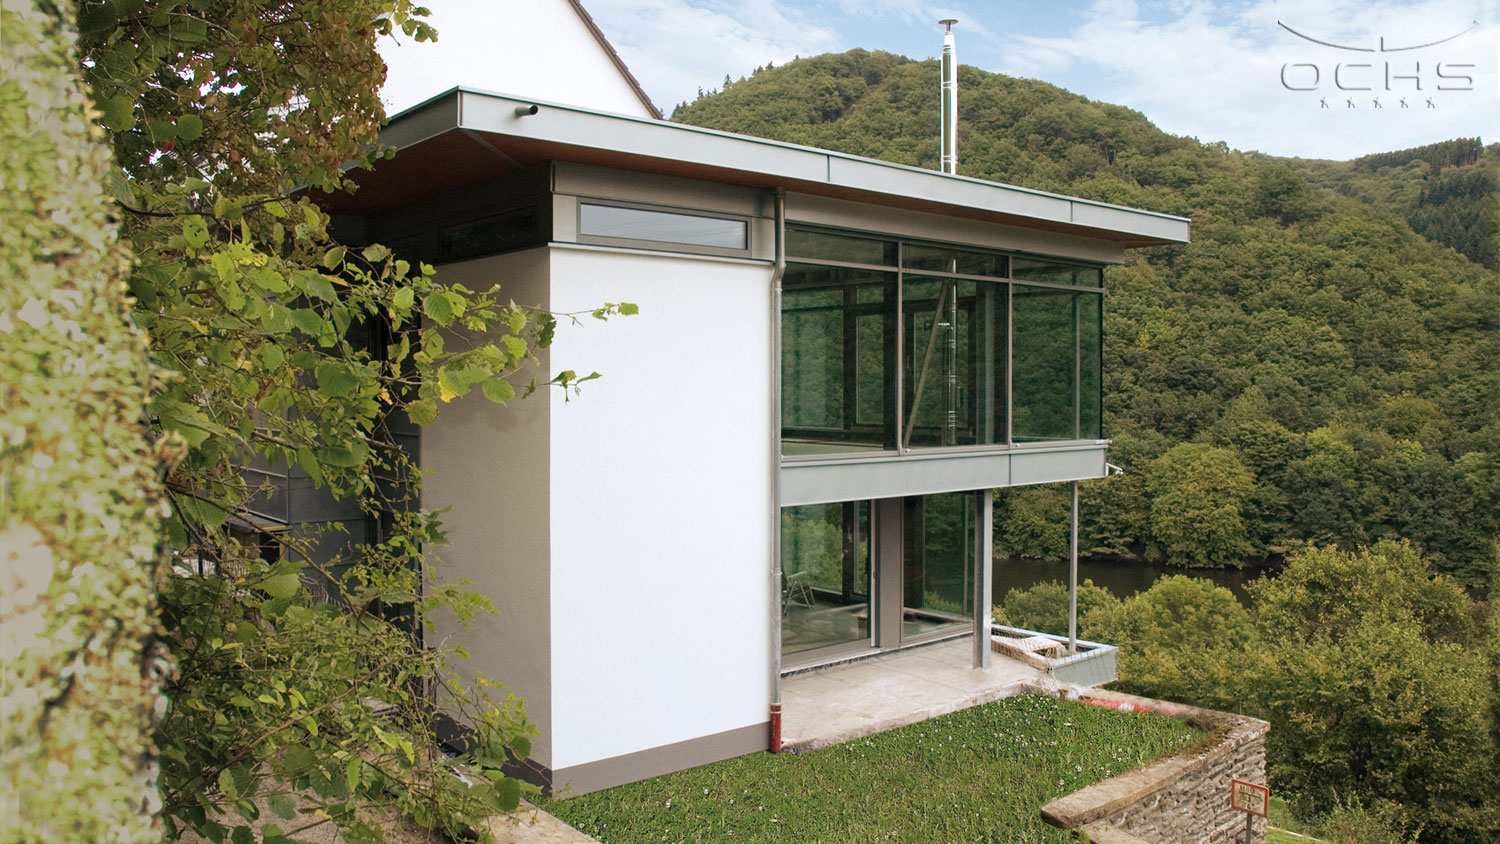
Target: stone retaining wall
{"type": "Point", "coordinates": [1180, 799]}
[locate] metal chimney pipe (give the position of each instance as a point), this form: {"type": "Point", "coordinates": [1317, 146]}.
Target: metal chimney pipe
{"type": "Point", "coordinates": [950, 100]}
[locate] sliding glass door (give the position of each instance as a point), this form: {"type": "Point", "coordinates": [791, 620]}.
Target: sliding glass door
{"type": "Point", "coordinates": [937, 569]}
{"type": "Point", "coordinates": [825, 590]}
{"type": "Point", "coordinates": [862, 575]}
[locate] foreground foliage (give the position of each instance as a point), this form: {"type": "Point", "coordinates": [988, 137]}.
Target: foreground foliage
{"type": "Point", "coordinates": [1381, 686]}
{"type": "Point", "coordinates": [79, 488]}
{"type": "Point", "coordinates": [1330, 371]}
{"type": "Point", "coordinates": [981, 774]}
{"type": "Point", "coordinates": [277, 347]}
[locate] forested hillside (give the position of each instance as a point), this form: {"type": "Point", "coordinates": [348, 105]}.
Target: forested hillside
{"type": "Point", "coordinates": [1448, 192]}
{"type": "Point", "coordinates": [1308, 370]}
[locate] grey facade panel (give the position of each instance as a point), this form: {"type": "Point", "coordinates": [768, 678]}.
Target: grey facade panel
{"type": "Point", "coordinates": [631, 186]}
{"type": "Point", "coordinates": [1120, 219]}
{"type": "Point", "coordinates": [824, 481]}
{"type": "Point", "coordinates": [424, 120]}
{"type": "Point", "coordinates": [1030, 467]}
{"type": "Point", "coordinates": [653, 762]}
{"type": "Point", "coordinates": [920, 225]}
{"type": "Point", "coordinates": [883, 178]}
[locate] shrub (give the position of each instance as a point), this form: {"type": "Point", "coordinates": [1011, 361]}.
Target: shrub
{"type": "Point", "coordinates": [1044, 607]}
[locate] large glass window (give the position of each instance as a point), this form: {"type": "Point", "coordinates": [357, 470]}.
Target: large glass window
{"type": "Point", "coordinates": [1090, 366]}
{"type": "Point", "coordinates": [954, 375]}
{"type": "Point", "coordinates": [1055, 392]}
{"type": "Point", "coordinates": [889, 345]}
{"type": "Point", "coordinates": [837, 359]}
{"type": "Point", "coordinates": [961, 261]}
{"type": "Point", "coordinates": [825, 563]}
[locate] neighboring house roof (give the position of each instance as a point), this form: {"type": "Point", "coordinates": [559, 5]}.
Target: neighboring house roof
{"type": "Point", "coordinates": [588, 20]}
{"type": "Point", "coordinates": [464, 136]}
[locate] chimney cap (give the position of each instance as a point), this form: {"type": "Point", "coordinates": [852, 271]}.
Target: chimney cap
{"type": "Point", "coordinates": [948, 22]}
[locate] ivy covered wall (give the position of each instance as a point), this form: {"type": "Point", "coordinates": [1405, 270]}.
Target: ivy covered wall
{"type": "Point", "coordinates": [79, 496]}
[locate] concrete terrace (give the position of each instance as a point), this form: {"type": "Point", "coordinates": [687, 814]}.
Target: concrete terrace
{"type": "Point", "coordinates": [822, 707]}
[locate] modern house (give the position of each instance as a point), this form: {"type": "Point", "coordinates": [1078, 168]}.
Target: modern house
{"type": "Point", "coordinates": [790, 457]}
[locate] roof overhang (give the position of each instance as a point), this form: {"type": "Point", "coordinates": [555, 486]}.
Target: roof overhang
{"type": "Point", "coordinates": [463, 136]}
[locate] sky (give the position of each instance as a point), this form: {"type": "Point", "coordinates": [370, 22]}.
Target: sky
{"type": "Point", "coordinates": [1316, 79]}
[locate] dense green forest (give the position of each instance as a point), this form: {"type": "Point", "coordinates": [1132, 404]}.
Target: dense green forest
{"type": "Point", "coordinates": [1312, 370]}
{"type": "Point", "coordinates": [1448, 192]}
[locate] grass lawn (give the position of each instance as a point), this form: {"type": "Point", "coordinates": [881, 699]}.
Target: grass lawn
{"type": "Point", "coordinates": [979, 775]}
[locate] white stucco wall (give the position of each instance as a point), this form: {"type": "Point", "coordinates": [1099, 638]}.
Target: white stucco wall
{"type": "Point", "coordinates": [536, 48]}
{"type": "Point", "coordinates": [487, 467]}
{"type": "Point", "coordinates": [660, 504]}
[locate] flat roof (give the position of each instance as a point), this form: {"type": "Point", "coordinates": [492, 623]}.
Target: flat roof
{"type": "Point", "coordinates": [463, 136]}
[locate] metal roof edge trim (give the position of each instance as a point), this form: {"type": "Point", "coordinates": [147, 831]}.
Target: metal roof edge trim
{"type": "Point", "coordinates": [937, 177]}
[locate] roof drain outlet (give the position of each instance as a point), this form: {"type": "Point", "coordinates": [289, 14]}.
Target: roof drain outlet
{"type": "Point", "coordinates": [950, 100]}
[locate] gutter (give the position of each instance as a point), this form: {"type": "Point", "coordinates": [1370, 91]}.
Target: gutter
{"type": "Point", "coordinates": [779, 269]}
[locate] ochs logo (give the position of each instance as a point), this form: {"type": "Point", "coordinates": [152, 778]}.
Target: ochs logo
{"type": "Point", "coordinates": [1397, 75]}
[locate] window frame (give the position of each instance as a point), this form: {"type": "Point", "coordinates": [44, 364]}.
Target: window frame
{"type": "Point", "coordinates": [901, 272]}
{"type": "Point", "coordinates": [661, 245]}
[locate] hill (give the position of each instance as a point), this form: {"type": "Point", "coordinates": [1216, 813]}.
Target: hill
{"type": "Point", "coordinates": [1448, 192]}
{"type": "Point", "coordinates": [1309, 341]}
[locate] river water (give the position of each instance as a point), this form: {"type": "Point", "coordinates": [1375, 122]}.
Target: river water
{"type": "Point", "coordinates": [1121, 578]}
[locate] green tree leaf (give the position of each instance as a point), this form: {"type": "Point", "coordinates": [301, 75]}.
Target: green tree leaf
{"type": "Point", "coordinates": [498, 390]}
{"type": "Point", "coordinates": [281, 805]}
{"type": "Point", "coordinates": [438, 308]}
{"type": "Point", "coordinates": [189, 127]}
{"type": "Point", "coordinates": [315, 284]}
{"type": "Point", "coordinates": [283, 585]}
{"type": "Point", "coordinates": [336, 378]}
{"type": "Point", "coordinates": [227, 785]}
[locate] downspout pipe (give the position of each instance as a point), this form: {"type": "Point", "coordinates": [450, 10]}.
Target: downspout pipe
{"type": "Point", "coordinates": [777, 271]}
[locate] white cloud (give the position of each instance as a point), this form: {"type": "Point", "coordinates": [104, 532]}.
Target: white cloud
{"type": "Point", "coordinates": [675, 46]}
{"type": "Point", "coordinates": [1214, 71]}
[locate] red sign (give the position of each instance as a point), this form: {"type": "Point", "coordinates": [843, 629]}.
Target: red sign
{"type": "Point", "coordinates": [1249, 797]}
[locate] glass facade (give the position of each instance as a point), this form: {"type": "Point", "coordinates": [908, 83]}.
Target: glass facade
{"type": "Point", "coordinates": [825, 564]}
{"type": "Point", "coordinates": [837, 358]}
{"type": "Point", "coordinates": [954, 375]}
{"type": "Point", "coordinates": [937, 563]}
{"type": "Point", "coordinates": [1056, 354]}
{"type": "Point", "coordinates": [974, 348]}
{"type": "Point", "coordinates": [860, 575]}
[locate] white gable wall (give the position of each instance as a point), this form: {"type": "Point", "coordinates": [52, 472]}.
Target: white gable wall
{"type": "Point", "coordinates": [540, 49]}
{"type": "Point", "coordinates": [660, 490]}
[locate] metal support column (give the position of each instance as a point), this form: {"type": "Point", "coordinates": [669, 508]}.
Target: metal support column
{"type": "Point", "coordinates": [1073, 573]}
{"type": "Point", "coordinates": [984, 565]}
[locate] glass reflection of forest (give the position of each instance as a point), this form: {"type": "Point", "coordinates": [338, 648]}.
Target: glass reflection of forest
{"type": "Point", "coordinates": [840, 358]}
{"type": "Point", "coordinates": [825, 559]}
{"type": "Point", "coordinates": [938, 562]}
{"type": "Point", "coordinates": [826, 570]}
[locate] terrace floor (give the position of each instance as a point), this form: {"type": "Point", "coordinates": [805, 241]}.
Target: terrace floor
{"type": "Point", "coordinates": [826, 706]}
